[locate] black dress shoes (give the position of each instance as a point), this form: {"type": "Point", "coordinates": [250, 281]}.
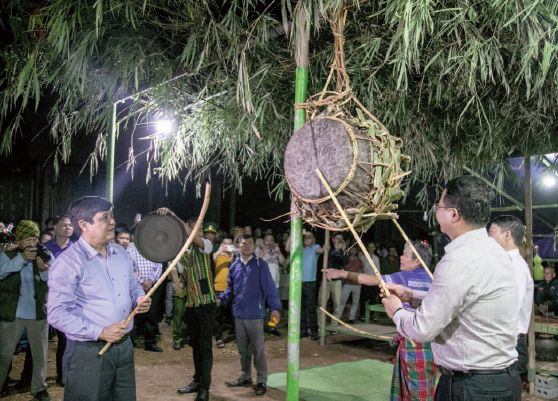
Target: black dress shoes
{"type": "Point", "coordinates": [240, 383]}
{"type": "Point", "coordinates": [193, 387]}
{"type": "Point", "coordinates": [203, 395]}
{"type": "Point", "coordinates": [42, 396]}
{"type": "Point", "coordinates": [153, 348]}
{"type": "Point", "coordinates": [261, 389]}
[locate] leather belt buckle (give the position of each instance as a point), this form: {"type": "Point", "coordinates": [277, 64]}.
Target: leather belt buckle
{"type": "Point", "coordinates": [453, 373]}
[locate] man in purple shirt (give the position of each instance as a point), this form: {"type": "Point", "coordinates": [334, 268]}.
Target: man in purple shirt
{"type": "Point", "coordinates": [92, 289]}
{"type": "Point", "coordinates": [63, 230]}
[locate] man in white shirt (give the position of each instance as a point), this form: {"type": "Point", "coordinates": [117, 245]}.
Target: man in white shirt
{"type": "Point", "coordinates": [468, 312]}
{"type": "Point", "coordinates": [508, 231]}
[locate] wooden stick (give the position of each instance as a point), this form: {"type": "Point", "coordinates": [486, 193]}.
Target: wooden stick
{"type": "Point", "coordinates": [324, 285]}
{"type": "Point", "coordinates": [412, 247]}
{"type": "Point", "coordinates": [351, 327]}
{"type": "Point", "coordinates": [347, 221]}
{"type": "Point", "coordinates": [174, 262]}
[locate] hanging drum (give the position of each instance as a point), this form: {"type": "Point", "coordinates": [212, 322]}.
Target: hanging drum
{"type": "Point", "coordinates": [160, 238]}
{"type": "Point", "coordinates": [359, 159]}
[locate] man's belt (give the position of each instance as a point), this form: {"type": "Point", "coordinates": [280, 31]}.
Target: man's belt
{"type": "Point", "coordinates": [469, 373]}
{"type": "Point", "coordinates": [124, 338]}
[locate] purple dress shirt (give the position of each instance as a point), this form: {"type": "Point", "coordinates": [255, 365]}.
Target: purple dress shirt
{"type": "Point", "coordinates": [88, 292]}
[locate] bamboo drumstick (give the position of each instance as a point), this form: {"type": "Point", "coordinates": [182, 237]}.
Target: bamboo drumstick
{"type": "Point", "coordinates": [174, 262]}
{"type": "Point", "coordinates": [347, 221]}
{"type": "Point", "coordinates": [412, 247]}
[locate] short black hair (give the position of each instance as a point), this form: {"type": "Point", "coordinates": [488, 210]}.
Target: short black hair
{"type": "Point", "coordinates": [471, 196]}
{"type": "Point", "coordinates": [57, 219]}
{"type": "Point", "coordinates": [85, 208]}
{"type": "Point", "coordinates": [511, 224]}
{"type": "Point", "coordinates": [45, 232]}
{"type": "Point", "coordinates": [248, 236]}
{"type": "Point", "coordinates": [423, 249]}
{"type": "Point", "coordinates": [551, 267]}
{"type": "Point", "coordinates": [48, 220]}
{"type": "Point", "coordinates": [121, 230]}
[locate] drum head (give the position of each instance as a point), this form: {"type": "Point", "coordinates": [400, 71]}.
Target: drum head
{"type": "Point", "coordinates": [160, 238]}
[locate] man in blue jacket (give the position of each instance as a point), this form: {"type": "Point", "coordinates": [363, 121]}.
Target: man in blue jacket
{"type": "Point", "coordinates": [249, 285]}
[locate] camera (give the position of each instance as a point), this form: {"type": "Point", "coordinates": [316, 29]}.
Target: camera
{"type": "Point", "coordinates": [6, 237]}
{"type": "Point", "coordinates": [43, 253]}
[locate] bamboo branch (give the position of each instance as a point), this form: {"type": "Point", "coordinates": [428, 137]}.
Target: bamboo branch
{"type": "Point", "coordinates": [352, 328]}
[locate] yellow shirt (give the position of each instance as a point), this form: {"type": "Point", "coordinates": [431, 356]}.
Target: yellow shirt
{"type": "Point", "coordinates": [221, 272]}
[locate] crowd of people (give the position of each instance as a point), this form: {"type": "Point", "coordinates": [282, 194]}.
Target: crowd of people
{"type": "Point", "coordinates": [82, 276]}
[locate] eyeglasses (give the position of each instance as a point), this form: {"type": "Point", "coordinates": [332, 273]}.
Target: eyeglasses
{"type": "Point", "coordinates": [437, 206]}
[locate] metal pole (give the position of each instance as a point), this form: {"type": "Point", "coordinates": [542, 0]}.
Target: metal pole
{"type": "Point", "coordinates": [110, 156]}
{"type": "Point", "coordinates": [293, 348]}
{"type": "Point", "coordinates": [529, 258]}
{"type": "Point", "coordinates": [324, 294]}
{"type": "Point", "coordinates": [513, 200]}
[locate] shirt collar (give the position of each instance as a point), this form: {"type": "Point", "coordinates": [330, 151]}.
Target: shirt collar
{"type": "Point", "coordinates": [249, 259]}
{"type": "Point", "coordinates": [514, 252]}
{"type": "Point", "coordinates": [479, 233]}
{"type": "Point", "coordinates": [91, 253]}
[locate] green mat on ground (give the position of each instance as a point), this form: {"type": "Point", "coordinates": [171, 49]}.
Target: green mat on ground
{"type": "Point", "coordinates": [362, 380]}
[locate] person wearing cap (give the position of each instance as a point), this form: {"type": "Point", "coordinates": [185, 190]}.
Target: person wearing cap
{"type": "Point", "coordinates": [209, 232]}
{"type": "Point", "coordinates": [23, 294]}
{"type": "Point", "coordinates": [91, 292]}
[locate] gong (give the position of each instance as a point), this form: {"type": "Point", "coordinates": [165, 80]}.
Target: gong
{"type": "Point", "coordinates": [160, 238]}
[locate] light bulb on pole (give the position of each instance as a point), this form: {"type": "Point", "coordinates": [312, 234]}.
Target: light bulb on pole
{"type": "Point", "coordinates": [549, 181]}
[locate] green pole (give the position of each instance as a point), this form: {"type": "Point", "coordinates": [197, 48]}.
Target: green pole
{"type": "Point", "coordinates": [296, 259]}
{"type": "Point", "coordinates": [301, 92]}
{"type": "Point", "coordinates": [110, 156]}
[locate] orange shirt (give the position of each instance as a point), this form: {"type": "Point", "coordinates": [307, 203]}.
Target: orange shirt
{"type": "Point", "coordinates": [221, 272]}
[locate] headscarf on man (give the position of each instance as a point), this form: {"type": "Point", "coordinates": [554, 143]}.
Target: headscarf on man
{"type": "Point", "coordinates": [27, 229]}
